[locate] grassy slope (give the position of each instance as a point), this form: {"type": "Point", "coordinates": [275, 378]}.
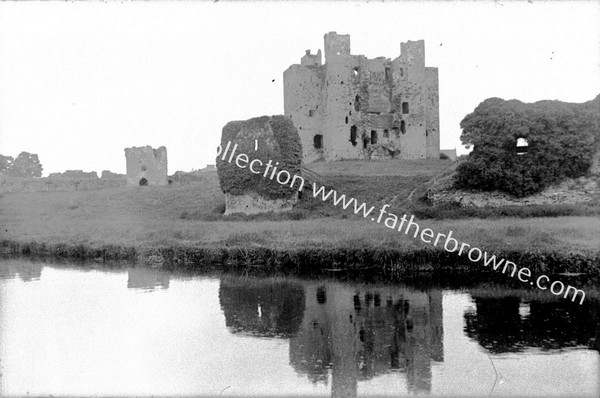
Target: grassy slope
{"type": "Point", "coordinates": [148, 216]}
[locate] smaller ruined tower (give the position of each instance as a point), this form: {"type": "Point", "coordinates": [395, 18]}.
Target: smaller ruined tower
{"type": "Point", "coordinates": [146, 166]}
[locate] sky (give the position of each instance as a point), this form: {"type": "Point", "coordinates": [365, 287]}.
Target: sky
{"type": "Point", "coordinates": [79, 82]}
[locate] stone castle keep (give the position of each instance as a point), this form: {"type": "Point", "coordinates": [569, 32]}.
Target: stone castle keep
{"type": "Point", "coordinates": [352, 107]}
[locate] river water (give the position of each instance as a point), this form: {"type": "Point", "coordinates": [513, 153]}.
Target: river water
{"type": "Point", "coordinates": [80, 331]}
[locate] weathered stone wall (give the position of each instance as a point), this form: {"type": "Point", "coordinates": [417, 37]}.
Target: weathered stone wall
{"type": "Point", "coordinates": [303, 87]}
{"type": "Point", "coordinates": [432, 112]}
{"type": "Point", "coordinates": [580, 190]}
{"type": "Point", "coordinates": [253, 203]}
{"type": "Point", "coordinates": [29, 184]}
{"type": "Point", "coordinates": [364, 108]}
{"type": "Point", "coordinates": [146, 166]}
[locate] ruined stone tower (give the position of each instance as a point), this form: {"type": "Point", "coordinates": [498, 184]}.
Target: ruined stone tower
{"type": "Point", "coordinates": [352, 107]}
{"type": "Point", "coordinates": [146, 166]}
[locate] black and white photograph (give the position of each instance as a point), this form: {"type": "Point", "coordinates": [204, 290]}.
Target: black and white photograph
{"type": "Point", "coordinates": [300, 198]}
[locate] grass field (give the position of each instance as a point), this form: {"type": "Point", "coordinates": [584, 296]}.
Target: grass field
{"type": "Point", "coordinates": [181, 214]}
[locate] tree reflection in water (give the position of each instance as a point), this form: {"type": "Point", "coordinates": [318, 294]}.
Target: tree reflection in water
{"type": "Point", "coordinates": [262, 308]}
{"type": "Point", "coordinates": [510, 324]}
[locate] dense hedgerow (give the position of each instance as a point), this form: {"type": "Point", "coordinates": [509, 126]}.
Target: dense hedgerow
{"type": "Point", "coordinates": [278, 141]}
{"type": "Point", "coordinates": [562, 139]}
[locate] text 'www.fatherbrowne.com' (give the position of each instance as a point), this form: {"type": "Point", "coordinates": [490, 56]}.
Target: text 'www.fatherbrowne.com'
{"type": "Point", "coordinates": [405, 224]}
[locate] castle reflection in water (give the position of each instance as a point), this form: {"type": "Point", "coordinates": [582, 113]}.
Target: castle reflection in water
{"type": "Point", "coordinates": [341, 333]}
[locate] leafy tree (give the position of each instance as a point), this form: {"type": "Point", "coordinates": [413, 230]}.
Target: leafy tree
{"type": "Point", "coordinates": [5, 163]}
{"type": "Point", "coordinates": [26, 165]}
{"type": "Point", "coordinates": [562, 138]}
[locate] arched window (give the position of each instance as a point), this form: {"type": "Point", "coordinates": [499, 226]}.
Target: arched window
{"type": "Point", "coordinates": [143, 182]}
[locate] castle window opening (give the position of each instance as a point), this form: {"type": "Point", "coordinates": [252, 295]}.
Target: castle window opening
{"type": "Point", "coordinates": [321, 295]}
{"type": "Point", "coordinates": [405, 107]}
{"type": "Point", "coordinates": [353, 135]}
{"type": "Point", "coordinates": [318, 141]}
{"type": "Point", "coordinates": [403, 126]}
{"type": "Point", "coordinates": [365, 142]}
{"type": "Point", "coordinates": [386, 133]}
{"type": "Point", "coordinates": [387, 73]}
{"type": "Point", "coordinates": [143, 182]}
{"type": "Point", "coordinates": [373, 137]}
{"type": "Point", "coordinates": [311, 113]}
{"type": "Point", "coordinates": [357, 103]}
{"type": "Point", "coordinates": [346, 119]}
{"type": "Point", "coordinates": [355, 71]}
{"type": "Point", "coordinates": [401, 72]}
{"type": "Point", "coordinates": [342, 82]}
{"type": "Point", "coordinates": [522, 146]}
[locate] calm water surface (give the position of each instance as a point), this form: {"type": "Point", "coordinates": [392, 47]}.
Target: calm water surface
{"type": "Point", "coordinates": [75, 331]}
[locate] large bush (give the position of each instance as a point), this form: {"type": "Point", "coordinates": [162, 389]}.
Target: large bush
{"type": "Point", "coordinates": [25, 165]}
{"type": "Point", "coordinates": [562, 139]}
{"type": "Point", "coordinates": [277, 140]}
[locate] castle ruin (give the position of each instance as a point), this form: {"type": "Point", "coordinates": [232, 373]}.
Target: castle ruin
{"type": "Point", "coordinates": [352, 107]}
{"type": "Point", "coordinates": [146, 166]}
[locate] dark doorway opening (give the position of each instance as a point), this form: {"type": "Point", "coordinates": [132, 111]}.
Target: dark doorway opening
{"type": "Point", "coordinates": [318, 141]}
{"type": "Point", "coordinates": [373, 137]}
{"type": "Point", "coordinates": [353, 135]}
{"type": "Point", "coordinates": [143, 182]}
{"type": "Point", "coordinates": [405, 107]}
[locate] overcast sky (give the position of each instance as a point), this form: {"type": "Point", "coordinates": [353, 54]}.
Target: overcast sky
{"type": "Point", "coordinates": [79, 82]}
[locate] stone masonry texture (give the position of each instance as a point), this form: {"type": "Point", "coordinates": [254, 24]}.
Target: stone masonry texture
{"type": "Point", "coordinates": [353, 107]}
{"type": "Point", "coordinates": [146, 166]}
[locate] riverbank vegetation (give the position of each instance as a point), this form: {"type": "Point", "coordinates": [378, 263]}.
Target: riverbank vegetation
{"type": "Point", "coordinates": [126, 223]}
{"type": "Point", "coordinates": [183, 226]}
